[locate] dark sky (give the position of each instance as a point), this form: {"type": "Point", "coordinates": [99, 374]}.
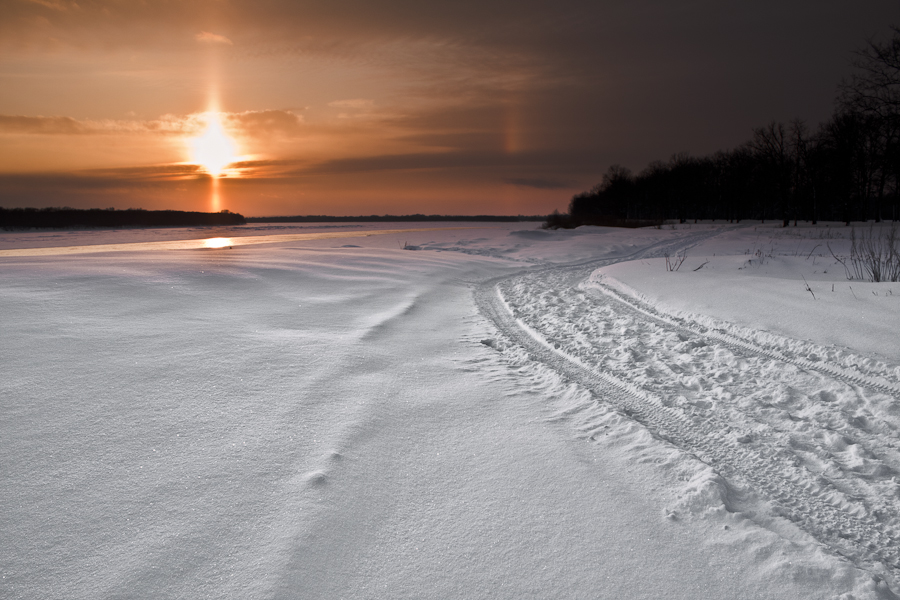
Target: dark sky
{"type": "Point", "coordinates": [376, 106]}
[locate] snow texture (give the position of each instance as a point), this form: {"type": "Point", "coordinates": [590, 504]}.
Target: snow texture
{"type": "Point", "coordinates": [504, 412]}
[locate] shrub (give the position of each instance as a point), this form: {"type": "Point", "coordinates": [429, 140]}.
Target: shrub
{"type": "Point", "coordinates": [874, 255]}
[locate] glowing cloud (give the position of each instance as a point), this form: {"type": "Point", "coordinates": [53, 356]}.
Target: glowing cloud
{"type": "Point", "coordinates": [53, 5]}
{"type": "Point", "coordinates": [213, 38]}
{"type": "Point", "coordinates": [357, 103]}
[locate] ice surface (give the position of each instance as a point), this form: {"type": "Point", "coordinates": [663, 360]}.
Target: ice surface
{"type": "Point", "coordinates": [335, 418]}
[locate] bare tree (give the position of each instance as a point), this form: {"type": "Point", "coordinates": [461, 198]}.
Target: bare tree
{"type": "Point", "coordinates": [800, 177]}
{"type": "Point", "coordinates": [772, 145]}
{"type": "Point", "coordinates": [874, 87]}
{"type": "Point", "coordinates": [874, 92]}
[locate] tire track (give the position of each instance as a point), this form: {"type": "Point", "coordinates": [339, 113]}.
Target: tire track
{"type": "Point", "coordinates": [862, 528]}
{"type": "Point", "coordinates": [737, 343]}
{"type": "Point", "coordinates": [881, 446]}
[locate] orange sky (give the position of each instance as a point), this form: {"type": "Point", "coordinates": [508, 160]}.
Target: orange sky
{"type": "Point", "coordinates": [393, 106]}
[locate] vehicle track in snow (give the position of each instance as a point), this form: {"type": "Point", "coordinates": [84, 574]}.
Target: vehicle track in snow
{"type": "Point", "coordinates": [817, 441]}
{"type": "Point", "coordinates": [887, 384]}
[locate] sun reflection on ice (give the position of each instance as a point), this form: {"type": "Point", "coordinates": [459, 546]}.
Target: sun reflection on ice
{"type": "Point", "coordinates": [219, 242]}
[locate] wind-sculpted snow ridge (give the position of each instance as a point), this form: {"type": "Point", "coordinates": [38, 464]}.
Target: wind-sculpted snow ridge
{"type": "Point", "coordinates": [815, 441]}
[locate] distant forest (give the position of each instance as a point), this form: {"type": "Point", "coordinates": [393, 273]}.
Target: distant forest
{"type": "Point", "coordinates": [848, 169]}
{"type": "Point", "coordinates": [60, 218]}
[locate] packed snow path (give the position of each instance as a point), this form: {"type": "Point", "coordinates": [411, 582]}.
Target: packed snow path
{"type": "Point", "coordinates": [793, 435]}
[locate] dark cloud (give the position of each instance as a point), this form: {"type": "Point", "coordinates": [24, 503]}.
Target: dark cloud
{"type": "Point", "coordinates": [279, 21]}
{"type": "Point", "coordinates": [404, 162]}
{"type": "Point", "coordinates": [620, 33]}
{"type": "Point", "coordinates": [541, 184]}
{"type": "Point", "coordinates": [170, 186]}
{"type": "Point", "coordinates": [267, 163]}
{"type": "Point", "coordinates": [445, 161]}
{"type": "Point", "coordinates": [147, 173]}
{"type": "Point", "coordinates": [81, 189]}
{"type": "Point", "coordinates": [731, 51]}
{"type": "Point", "coordinates": [450, 140]}
{"type": "Point", "coordinates": [102, 179]}
{"type": "Point", "coordinates": [523, 170]}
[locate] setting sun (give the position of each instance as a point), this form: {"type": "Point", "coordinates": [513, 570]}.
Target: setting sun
{"type": "Point", "coordinates": [213, 150]}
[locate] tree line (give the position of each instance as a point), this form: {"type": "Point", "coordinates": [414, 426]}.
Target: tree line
{"type": "Point", "coordinates": [59, 218]}
{"type": "Point", "coordinates": [847, 169]}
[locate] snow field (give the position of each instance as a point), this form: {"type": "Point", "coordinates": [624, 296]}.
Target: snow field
{"type": "Point", "coordinates": [325, 420]}
{"type": "Point", "coordinates": [757, 276]}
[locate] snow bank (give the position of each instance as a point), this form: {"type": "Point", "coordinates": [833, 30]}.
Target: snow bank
{"type": "Point", "coordinates": [757, 276]}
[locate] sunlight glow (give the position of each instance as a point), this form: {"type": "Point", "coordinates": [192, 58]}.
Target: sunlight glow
{"type": "Point", "coordinates": [215, 201]}
{"type": "Point", "coordinates": [217, 242]}
{"type": "Point", "coordinates": [213, 150]}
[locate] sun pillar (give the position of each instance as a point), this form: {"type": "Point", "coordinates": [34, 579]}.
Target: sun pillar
{"type": "Point", "coordinates": [213, 149]}
{"type": "Point", "coordinates": [215, 202]}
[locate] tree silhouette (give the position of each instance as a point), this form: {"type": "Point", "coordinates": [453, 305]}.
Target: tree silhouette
{"type": "Point", "coordinates": [848, 170]}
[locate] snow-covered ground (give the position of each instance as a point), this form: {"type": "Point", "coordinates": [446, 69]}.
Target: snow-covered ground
{"type": "Point", "coordinates": [492, 412]}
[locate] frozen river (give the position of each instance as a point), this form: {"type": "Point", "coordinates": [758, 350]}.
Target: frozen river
{"type": "Point", "coordinates": [330, 415]}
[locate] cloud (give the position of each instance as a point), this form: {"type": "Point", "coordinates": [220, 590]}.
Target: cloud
{"type": "Point", "coordinates": [213, 38]}
{"type": "Point", "coordinates": [167, 186]}
{"type": "Point", "coordinates": [394, 162]}
{"type": "Point", "coordinates": [253, 123]}
{"type": "Point", "coordinates": [358, 103]}
{"type": "Point", "coordinates": [41, 125]}
{"type": "Point", "coordinates": [24, 184]}
{"type": "Point", "coordinates": [450, 160]}
{"type": "Point", "coordinates": [149, 173]}
{"type": "Point", "coordinates": [526, 92]}
{"type": "Point", "coordinates": [57, 5]}
{"type": "Point", "coordinates": [360, 108]}
{"type": "Point", "coordinates": [250, 123]}
{"type": "Point", "coordinates": [538, 183]}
